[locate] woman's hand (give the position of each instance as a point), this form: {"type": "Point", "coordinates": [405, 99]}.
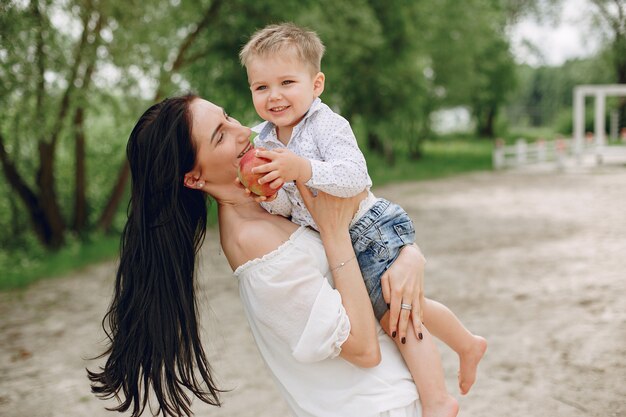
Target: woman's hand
{"type": "Point", "coordinates": [403, 283]}
{"type": "Point", "coordinates": [257, 198]}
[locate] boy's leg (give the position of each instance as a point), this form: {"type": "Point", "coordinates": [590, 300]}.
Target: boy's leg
{"type": "Point", "coordinates": [446, 326]}
{"type": "Point", "coordinates": [424, 363]}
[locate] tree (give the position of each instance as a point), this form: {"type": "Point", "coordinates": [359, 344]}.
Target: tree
{"type": "Point", "coordinates": [495, 79]}
{"type": "Point", "coordinates": [75, 73]}
{"type": "Point", "coordinates": [47, 78]}
{"type": "Point", "coordinates": [32, 51]}
{"type": "Point", "coordinates": [166, 67]}
{"type": "Point", "coordinates": [514, 10]}
{"type": "Point", "coordinates": [552, 86]}
{"type": "Point", "coordinates": [471, 61]}
{"type": "Point", "coordinates": [375, 70]}
{"type": "Point", "coordinates": [357, 65]}
{"type": "Point", "coordinates": [613, 14]}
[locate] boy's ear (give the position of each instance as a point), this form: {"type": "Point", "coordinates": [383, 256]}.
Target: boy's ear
{"type": "Point", "coordinates": [318, 84]}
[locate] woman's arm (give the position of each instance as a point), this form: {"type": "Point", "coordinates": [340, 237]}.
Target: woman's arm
{"type": "Point", "coordinates": [361, 347]}
{"type": "Point", "coordinates": [332, 215]}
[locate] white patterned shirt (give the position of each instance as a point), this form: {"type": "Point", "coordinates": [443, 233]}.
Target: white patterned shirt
{"type": "Point", "coordinates": [337, 164]}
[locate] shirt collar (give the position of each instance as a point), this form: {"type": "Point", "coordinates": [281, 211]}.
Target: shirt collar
{"type": "Point", "coordinates": [266, 128]}
{"type": "Point", "coordinates": [315, 106]}
{"type": "Point", "coordinates": [259, 128]}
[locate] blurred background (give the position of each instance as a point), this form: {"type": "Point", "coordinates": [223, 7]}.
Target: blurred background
{"type": "Point", "coordinates": [427, 85]}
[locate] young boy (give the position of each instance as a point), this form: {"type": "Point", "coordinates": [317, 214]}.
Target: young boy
{"type": "Point", "coordinates": [307, 142]}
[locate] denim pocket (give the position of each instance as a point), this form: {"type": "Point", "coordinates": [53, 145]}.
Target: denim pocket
{"type": "Point", "coordinates": [372, 243]}
{"type": "Point", "coordinates": [405, 231]}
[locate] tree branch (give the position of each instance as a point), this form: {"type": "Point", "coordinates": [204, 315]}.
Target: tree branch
{"type": "Point", "coordinates": [620, 9]}
{"type": "Point", "coordinates": [32, 202]}
{"type": "Point", "coordinates": [193, 58]}
{"type": "Point", "coordinates": [621, 17]}
{"type": "Point", "coordinates": [106, 218]}
{"type": "Point", "coordinates": [65, 101]}
{"type": "Point", "coordinates": [80, 195]}
{"type": "Point", "coordinates": [86, 77]}
{"type": "Point", "coordinates": [604, 12]}
{"type": "Point", "coordinates": [14, 178]}
{"type": "Point", "coordinates": [211, 13]}
{"type": "Point", "coordinates": [39, 58]}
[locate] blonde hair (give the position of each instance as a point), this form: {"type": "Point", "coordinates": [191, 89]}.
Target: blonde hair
{"type": "Point", "coordinates": [284, 38]}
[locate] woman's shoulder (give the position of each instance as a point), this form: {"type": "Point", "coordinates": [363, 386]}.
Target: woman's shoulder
{"type": "Point", "coordinates": [254, 239]}
{"type": "Point", "coordinates": [258, 237]}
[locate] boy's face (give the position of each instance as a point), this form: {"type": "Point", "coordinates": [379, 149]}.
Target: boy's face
{"type": "Point", "coordinates": [283, 89]}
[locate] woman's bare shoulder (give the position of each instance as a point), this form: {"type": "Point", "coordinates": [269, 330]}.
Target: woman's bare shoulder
{"type": "Point", "coordinates": [253, 238]}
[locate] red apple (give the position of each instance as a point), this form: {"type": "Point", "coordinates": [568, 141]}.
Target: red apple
{"type": "Point", "coordinates": [251, 181]}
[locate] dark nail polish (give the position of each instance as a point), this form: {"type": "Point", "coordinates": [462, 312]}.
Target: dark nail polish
{"type": "Point", "coordinates": [404, 340]}
{"type": "Point", "coordinates": [420, 336]}
{"type": "Point", "coordinates": [393, 334]}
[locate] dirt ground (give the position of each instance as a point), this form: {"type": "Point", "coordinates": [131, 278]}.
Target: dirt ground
{"type": "Point", "coordinates": [533, 261]}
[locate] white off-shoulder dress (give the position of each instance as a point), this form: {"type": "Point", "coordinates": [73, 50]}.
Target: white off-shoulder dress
{"type": "Point", "coordinates": [299, 324]}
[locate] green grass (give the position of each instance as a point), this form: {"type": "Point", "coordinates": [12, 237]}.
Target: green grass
{"type": "Point", "coordinates": [531, 134]}
{"type": "Point", "coordinates": [23, 267]}
{"type": "Point", "coordinates": [442, 158]}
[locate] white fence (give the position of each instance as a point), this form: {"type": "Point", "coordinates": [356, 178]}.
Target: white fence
{"type": "Point", "coordinates": [556, 151]}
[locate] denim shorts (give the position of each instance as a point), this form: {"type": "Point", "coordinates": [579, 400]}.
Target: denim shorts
{"type": "Point", "coordinates": [377, 238]}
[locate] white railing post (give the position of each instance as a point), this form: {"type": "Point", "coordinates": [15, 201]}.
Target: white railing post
{"type": "Point", "coordinates": [599, 125]}
{"type": "Point", "coordinates": [560, 147]}
{"type": "Point", "coordinates": [579, 122]}
{"type": "Point", "coordinates": [590, 142]}
{"type": "Point", "coordinates": [498, 154]}
{"type": "Point", "coordinates": [520, 151]}
{"type": "Point", "coordinates": [614, 124]}
{"type": "Point", "coordinates": [541, 150]}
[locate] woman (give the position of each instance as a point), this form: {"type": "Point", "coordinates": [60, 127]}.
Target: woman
{"type": "Point", "coordinates": [310, 334]}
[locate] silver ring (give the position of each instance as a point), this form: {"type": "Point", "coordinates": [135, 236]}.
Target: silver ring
{"type": "Point", "coordinates": [406, 306]}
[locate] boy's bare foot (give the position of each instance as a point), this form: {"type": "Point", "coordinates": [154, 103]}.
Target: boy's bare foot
{"type": "Point", "coordinates": [469, 363]}
{"type": "Point", "coordinates": [448, 407]}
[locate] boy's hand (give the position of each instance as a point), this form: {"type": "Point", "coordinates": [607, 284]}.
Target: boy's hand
{"type": "Point", "coordinates": [284, 166]}
{"type": "Point", "coordinates": [257, 198]}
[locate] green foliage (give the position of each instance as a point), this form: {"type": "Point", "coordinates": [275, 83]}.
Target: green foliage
{"type": "Point", "coordinates": [530, 134]}
{"type": "Point", "coordinates": [544, 96]}
{"type": "Point", "coordinates": [388, 66]}
{"type": "Point", "coordinates": [372, 71]}
{"type": "Point", "coordinates": [564, 121]}
{"type": "Point", "coordinates": [443, 157]}
{"type": "Point", "coordinates": [471, 61]}
{"type": "Point", "coordinates": [29, 263]}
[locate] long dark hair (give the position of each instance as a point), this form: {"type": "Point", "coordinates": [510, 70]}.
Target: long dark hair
{"type": "Point", "coordinates": [152, 323]}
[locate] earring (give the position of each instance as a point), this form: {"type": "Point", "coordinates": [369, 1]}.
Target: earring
{"type": "Point", "coordinates": [200, 184]}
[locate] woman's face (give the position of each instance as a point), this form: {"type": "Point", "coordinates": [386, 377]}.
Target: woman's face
{"type": "Point", "coordinates": [220, 143]}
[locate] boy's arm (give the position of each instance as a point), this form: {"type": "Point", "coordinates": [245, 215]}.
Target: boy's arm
{"type": "Point", "coordinates": [280, 205]}
{"type": "Point", "coordinates": [342, 173]}
{"type": "Point", "coordinates": [343, 170]}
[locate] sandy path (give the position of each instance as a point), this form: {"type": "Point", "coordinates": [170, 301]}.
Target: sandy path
{"type": "Point", "coordinates": [534, 262]}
